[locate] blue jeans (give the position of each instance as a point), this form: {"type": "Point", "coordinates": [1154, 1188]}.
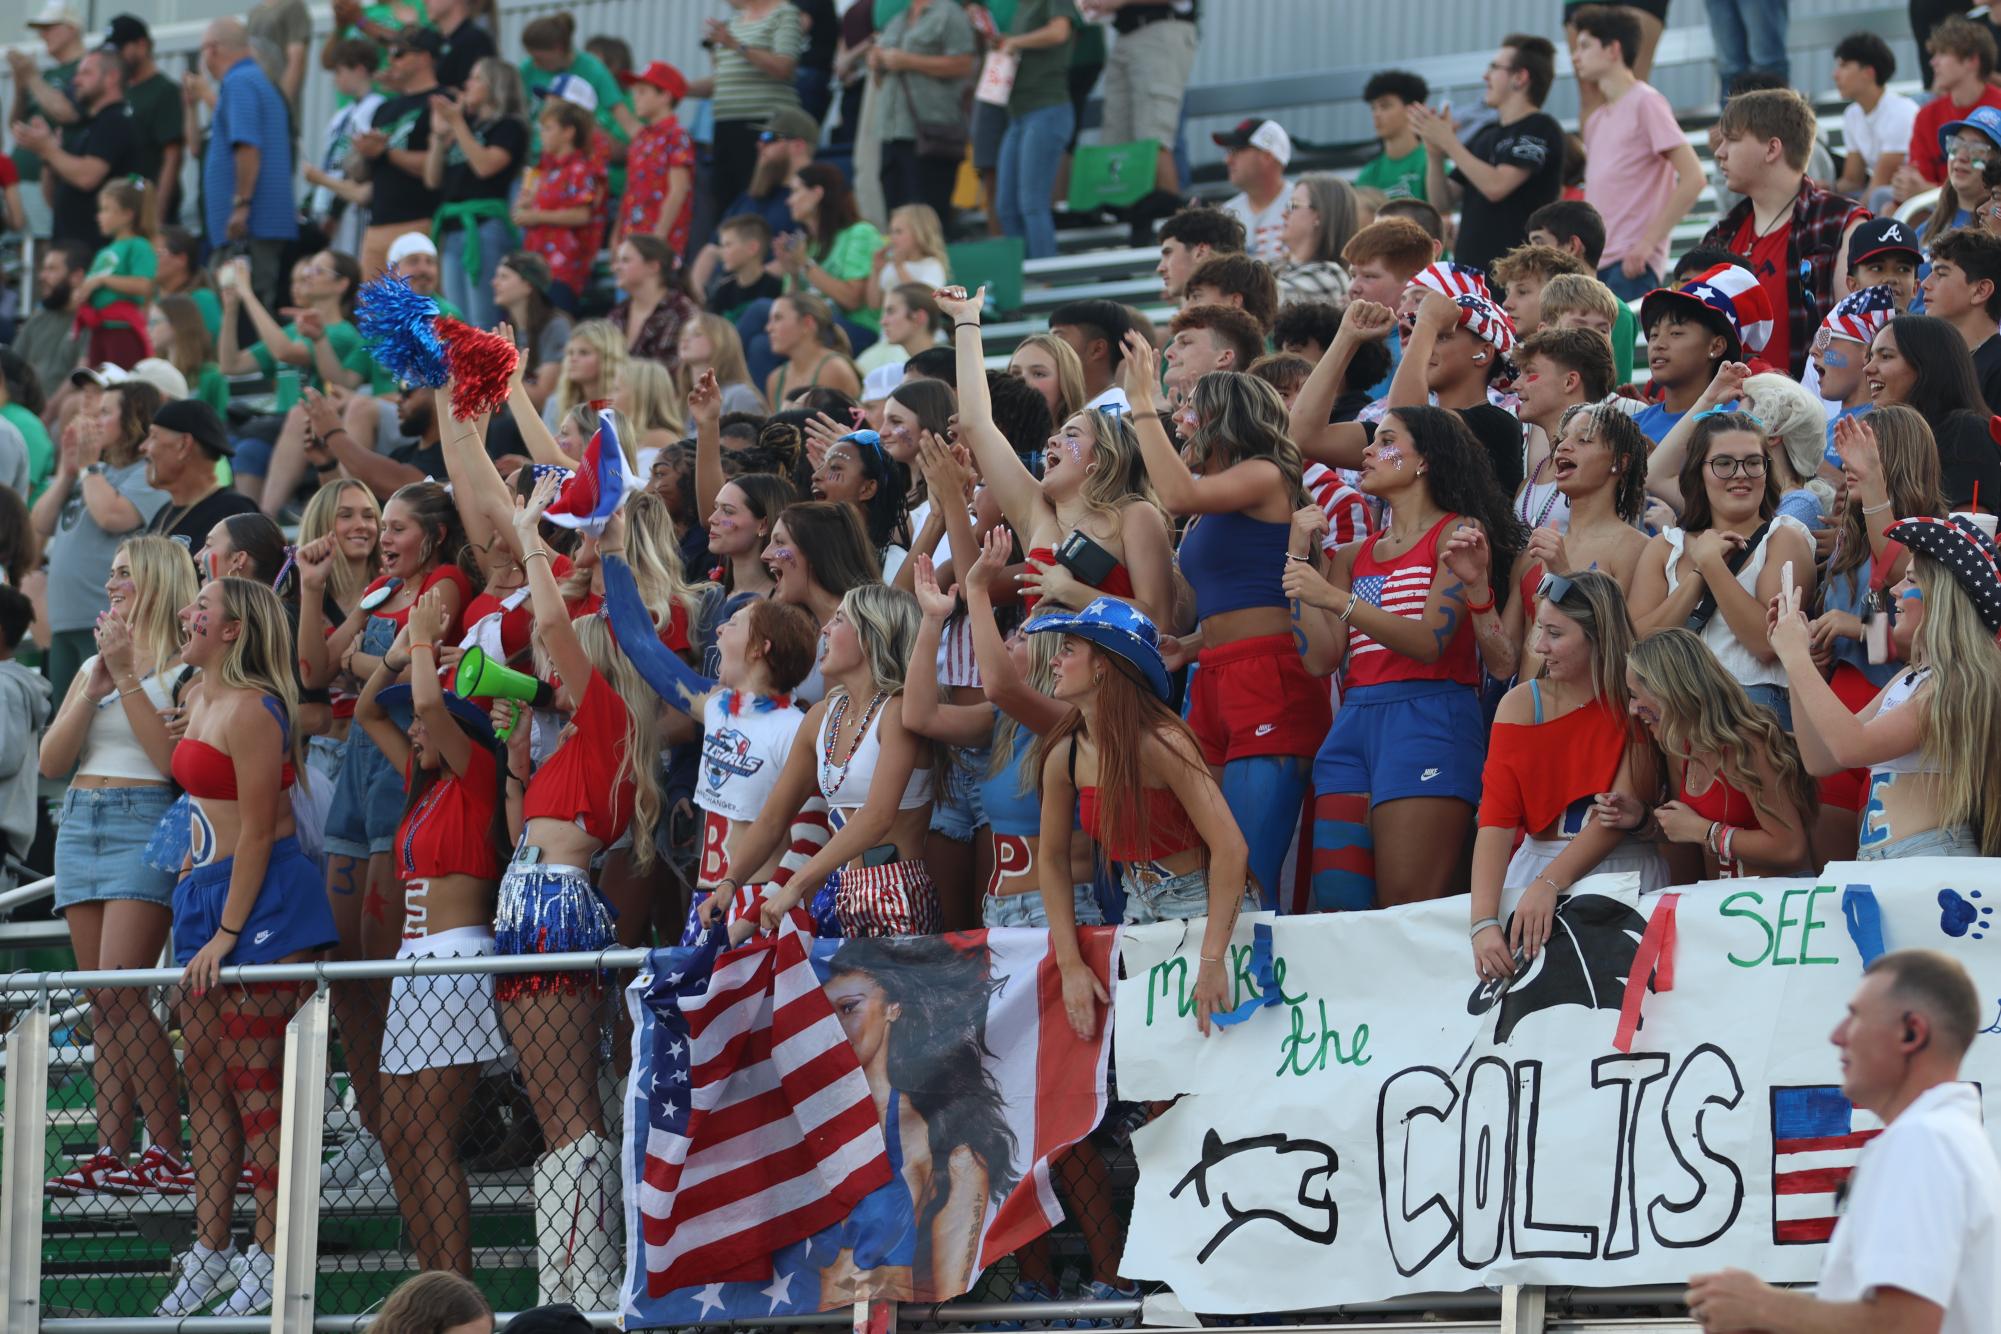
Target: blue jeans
{"type": "Point", "coordinates": [1031, 152]}
{"type": "Point", "coordinates": [474, 294]}
{"type": "Point", "coordinates": [1628, 289]}
{"type": "Point", "coordinates": [1749, 34]}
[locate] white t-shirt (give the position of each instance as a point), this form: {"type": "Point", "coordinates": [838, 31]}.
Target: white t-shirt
{"type": "Point", "coordinates": [930, 272]}
{"type": "Point", "coordinates": [1922, 1214]}
{"type": "Point", "coordinates": [1113, 397]}
{"type": "Point", "coordinates": [1888, 127]}
{"type": "Point", "coordinates": [1263, 230]}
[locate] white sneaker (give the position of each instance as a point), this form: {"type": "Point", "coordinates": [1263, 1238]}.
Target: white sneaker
{"type": "Point", "coordinates": [253, 1269]}
{"type": "Point", "coordinates": [204, 1274]}
{"type": "Point", "coordinates": [358, 1162]}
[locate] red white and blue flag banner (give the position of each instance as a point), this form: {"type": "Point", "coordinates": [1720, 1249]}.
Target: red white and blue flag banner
{"type": "Point", "coordinates": [595, 491]}
{"type": "Point", "coordinates": [1655, 1096]}
{"type": "Point", "coordinates": [815, 1121]}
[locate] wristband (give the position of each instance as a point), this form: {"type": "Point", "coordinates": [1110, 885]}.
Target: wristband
{"type": "Point", "coordinates": [967, 324]}
{"type": "Point", "coordinates": [228, 930]}
{"type": "Point", "coordinates": [1877, 509]}
{"type": "Point", "coordinates": [519, 778]}
{"type": "Point", "coordinates": [1486, 606]}
{"type": "Point", "coordinates": [428, 647]}
{"type": "Point", "coordinates": [1482, 925]}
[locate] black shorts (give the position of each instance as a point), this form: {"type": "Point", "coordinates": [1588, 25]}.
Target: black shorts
{"type": "Point", "coordinates": [1658, 8]}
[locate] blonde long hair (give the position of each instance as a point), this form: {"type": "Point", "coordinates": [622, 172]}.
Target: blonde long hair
{"type": "Point", "coordinates": [260, 658]}
{"type": "Point", "coordinates": [1706, 712]}
{"type": "Point", "coordinates": [1042, 679]}
{"type": "Point", "coordinates": [654, 554]}
{"type": "Point", "coordinates": [886, 621]}
{"type": "Point", "coordinates": [639, 748]}
{"type": "Point", "coordinates": [608, 340]}
{"type": "Point", "coordinates": [1070, 396]}
{"type": "Point", "coordinates": [650, 387]}
{"type": "Point", "coordinates": [318, 520]}
{"type": "Point", "coordinates": [926, 230]}
{"type": "Point", "coordinates": [1120, 477]}
{"type": "Point", "coordinates": [1963, 716]}
{"type": "Point", "coordinates": [726, 357]}
{"type": "Point", "coordinates": [163, 582]}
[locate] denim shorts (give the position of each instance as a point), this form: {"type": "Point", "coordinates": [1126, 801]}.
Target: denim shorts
{"type": "Point", "coordinates": [1025, 909]}
{"type": "Point", "coordinates": [1776, 698]}
{"type": "Point", "coordinates": [101, 845]}
{"type": "Point", "coordinates": [1152, 897]}
{"type": "Point", "coordinates": [1956, 841]}
{"type": "Point", "coordinates": [368, 795]}
{"type": "Point", "coordinates": [959, 809]}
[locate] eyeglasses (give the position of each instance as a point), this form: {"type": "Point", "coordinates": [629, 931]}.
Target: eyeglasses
{"type": "Point", "coordinates": [1975, 149]}
{"type": "Point", "coordinates": [1725, 467]}
{"type": "Point", "coordinates": [1500, 67]}
{"type": "Point", "coordinates": [768, 137]}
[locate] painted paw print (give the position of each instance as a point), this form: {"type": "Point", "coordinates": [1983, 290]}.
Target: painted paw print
{"type": "Point", "coordinates": [1960, 916]}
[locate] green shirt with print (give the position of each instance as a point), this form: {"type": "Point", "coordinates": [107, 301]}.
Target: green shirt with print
{"type": "Point", "coordinates": [128, 257]}
{"type": "Point", "coordinates": [348, 350]}
{"type": "Point", "coordinates": [1397, 177]}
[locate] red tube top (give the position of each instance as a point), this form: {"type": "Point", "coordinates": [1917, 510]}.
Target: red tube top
{"type": "Point", "coordinates": [205, 772]}
{"type": "Point", "coordinates": [1119, 583]}
{"type": "Point", "coordinates": [1170, 831]}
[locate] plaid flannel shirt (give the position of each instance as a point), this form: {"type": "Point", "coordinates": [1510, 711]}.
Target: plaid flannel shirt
{"type": "Point", "coordinates": [1820, 217]}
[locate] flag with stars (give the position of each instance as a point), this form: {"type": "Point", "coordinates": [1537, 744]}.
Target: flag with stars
{"type": "Point", "coordinates": [790, 1100]}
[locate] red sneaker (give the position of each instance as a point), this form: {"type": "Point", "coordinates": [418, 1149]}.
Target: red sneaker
{"type": "Point", "coordinates": [156, 1173]}
{"type": "Point", "coordinates": [88, 1177]}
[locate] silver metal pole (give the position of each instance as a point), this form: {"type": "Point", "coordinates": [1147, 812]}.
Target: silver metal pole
{"type": "Point", "coordinates": [297, 1264]}
{"type": "Point", "coordinates": [343, 971]}
{"type": "Point", "coordinates": [21, 1168]}
{"type": "Point", "coordinates": [1524, 1309]}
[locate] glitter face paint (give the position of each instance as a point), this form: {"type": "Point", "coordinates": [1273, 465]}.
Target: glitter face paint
{"type": "Point", "coordinates": [1838, 360]}
{"type": "Point", "coordinates": [1392, 454]}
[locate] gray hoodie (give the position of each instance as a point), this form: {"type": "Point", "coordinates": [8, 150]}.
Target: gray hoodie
{"type": "Point", "coordinates": [24, 711]}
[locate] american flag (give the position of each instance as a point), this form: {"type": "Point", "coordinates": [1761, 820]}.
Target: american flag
{"type": "Point", "coordinates": [1348, 517]}
{"type": "Point", "coordinates": [1403, 592]}
{"type": "Point", "coordinates": [1817, 1138]}
{"type": "Point", "coordinates": [760, 1126]}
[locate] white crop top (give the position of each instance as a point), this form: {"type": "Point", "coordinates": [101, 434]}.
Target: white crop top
{"type": "Point", "coordinates": [1899, 694]}
{"type": "Point", "coordinates": [742, 754]}
{"type": "Point", "coordinates": [846, 789]}
{"type": "Point", "coordinates": [111, 749]}
{"type": "Point", "coordinates": [1737, 660]}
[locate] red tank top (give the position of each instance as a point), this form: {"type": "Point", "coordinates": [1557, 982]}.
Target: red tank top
{"type": "Point", "coordinates": [1721, 802]}
{"type": "Point", "coordinates": [448, 831]}
{"type": "Point", "coordinates": [1402, 588]}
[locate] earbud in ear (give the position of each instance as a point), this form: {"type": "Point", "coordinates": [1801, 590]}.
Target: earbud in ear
{"type": "Point", "coordinates": [1479, 356]}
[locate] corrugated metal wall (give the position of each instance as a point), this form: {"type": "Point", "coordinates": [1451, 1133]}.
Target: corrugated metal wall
{"type": "Point", "coordinates": [1242, 40]}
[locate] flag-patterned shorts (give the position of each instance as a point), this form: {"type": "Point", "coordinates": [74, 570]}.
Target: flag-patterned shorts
{"type": "Point", "coordinates": [892, 900]}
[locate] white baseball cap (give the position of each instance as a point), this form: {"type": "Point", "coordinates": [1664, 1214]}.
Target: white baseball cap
{"type": "Point", "coordinates": [411, 243]}
{"type": "Point", "coordinates": [103, 376]}
{"type": "Point", "coordinates": [55, 12]}
{"type": "Point", "coordinates": [574, 89]}
{"type": "Point", "coordinates": [881, 382]}
{"type": "Point", "coordinates": [1255, 133]}
{"type": "Point", "coordinates": [163, 376]}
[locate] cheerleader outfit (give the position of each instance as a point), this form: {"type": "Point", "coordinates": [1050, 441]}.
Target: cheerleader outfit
{"type": "Point", "coordinates": [445, 1019]}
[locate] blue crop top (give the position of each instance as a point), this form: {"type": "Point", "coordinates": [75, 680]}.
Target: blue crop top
{"type": "Point", "coordinates": [1012, 812]}
{"type": "Point", "coordinates": [1233, 562]}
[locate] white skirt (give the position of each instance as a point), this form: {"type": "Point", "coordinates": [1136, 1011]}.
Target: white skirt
{"type": "Point", "coordinates": [443, 1019]}
{"type": "Point", "coordinates": [1632, 855]}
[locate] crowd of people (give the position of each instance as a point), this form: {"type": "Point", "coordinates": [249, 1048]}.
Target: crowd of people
{"type": "Point", "coordinates": [1372, 578]}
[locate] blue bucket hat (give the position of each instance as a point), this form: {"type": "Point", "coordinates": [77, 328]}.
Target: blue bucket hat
{"type": "Point", "coordinates": [1985, 121]}
{"type": "Point", "coordinates": [1118, 628]}
{"type": "Point", "coordinates": [395, 701]}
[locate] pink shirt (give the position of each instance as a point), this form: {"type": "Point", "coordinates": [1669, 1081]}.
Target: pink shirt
{"type": "Point", "coordinates": [1626, 175]}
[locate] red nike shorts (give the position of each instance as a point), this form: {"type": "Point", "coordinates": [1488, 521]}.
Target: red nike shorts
{"type": "Point", "coordinates": [1255, 697]}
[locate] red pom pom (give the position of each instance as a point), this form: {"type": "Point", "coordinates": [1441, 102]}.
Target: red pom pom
{"type": "Point", "coordinates": [482, 366]}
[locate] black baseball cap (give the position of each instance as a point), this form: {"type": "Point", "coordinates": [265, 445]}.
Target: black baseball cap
{"type": "Point", "coordinates": [192, 417]}
{"type": "Point", "coordinates": [426, 40]}
{"type": "Point", "coordinates": [1883, 236]}
{"type": "Point", "coordinates": [126, 29]}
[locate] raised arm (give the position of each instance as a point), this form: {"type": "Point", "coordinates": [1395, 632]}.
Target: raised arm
{"type": "Point", "coordinates": [705, 410]}
{"type": "Point", "coordinates": [1664, 463]}
{"type": "Point", "coordinates": [391, 740]}
{"type": "Point", "coordinates": [924, 712]}
{"type": "Point", "coordinates": [478, 491]}
{"type": "Point", "coordinates": [1337, 444]}
{"type": "Point", "coordinates": [427, 697]}
{"type": "Point", "coordinates": [541, 445]}
{"type": "Point", "coordinates": [552, 614]}
{"type": "Point", "coordinates": [1013, 485]}
{"type": "Point", "coordinates": [1243, 486]}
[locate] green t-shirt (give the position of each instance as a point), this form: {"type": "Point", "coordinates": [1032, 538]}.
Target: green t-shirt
{"type": "Point", "coordinates": [212, 388]}
{"type": "Point", "coordinates": [59, 77]}
{"type": "Point", "coordinates": [1397, 177]}
{"type": "Point", "coordinates": [210, 306]}
{"type": "Point", "coordinates": [852, 256]}
{"type": "Point", "coordinates": [1043, 79]}
{"type": "Point", "coordinates": [156, 122]}
{"type": "Point", "coordinates": [1625, 335]}
{"type": "Point", "coordinates": [41, 449]}
{"type": "Point", "coordinates": [131, 257]}
{"type": "Point", "coordinates": [381, 382]}
{"type": "Point", "coordinates": [348, 350]}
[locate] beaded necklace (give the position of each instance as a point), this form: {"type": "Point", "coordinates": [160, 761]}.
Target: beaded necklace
{"type": "Point", "coordinates": [833, 775]}
{"type": "Point", "coordinates": [426, 805]}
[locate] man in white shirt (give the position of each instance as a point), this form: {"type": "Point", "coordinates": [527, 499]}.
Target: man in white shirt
{"type": "Point", "coordinates": [1876, 124]}
{"type": "Point", "coordinates": [1918, 1247]}
{"type": "Point", "coordinates": [1259, 151]}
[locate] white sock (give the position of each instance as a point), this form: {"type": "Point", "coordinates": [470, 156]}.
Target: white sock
{"type": "Point", "coordinates": [203, 1251]}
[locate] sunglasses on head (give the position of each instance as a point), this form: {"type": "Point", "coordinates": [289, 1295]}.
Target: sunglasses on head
{"type": "Point", "coordinates": [1555, 587]}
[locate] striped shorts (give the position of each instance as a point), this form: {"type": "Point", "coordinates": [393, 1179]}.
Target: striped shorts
{"type": "Point", "coordinates": [892, 900]}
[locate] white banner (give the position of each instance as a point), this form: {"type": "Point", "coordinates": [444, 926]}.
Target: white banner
{"type": "Point", "coordinates": [1382, 1129]}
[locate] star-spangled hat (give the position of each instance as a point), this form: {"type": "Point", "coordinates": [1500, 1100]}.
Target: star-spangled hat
{"type": "Point", "coordinates": [1860, 316]}
{"type": "Point", "coordinates": [1118, 628]}
{"type": "Point", "coordinates": [1966, 552]}
{"type": "Point", "coordinates": [1478, 311]}
{"type": "Point", "coordinates": [1726, 292]}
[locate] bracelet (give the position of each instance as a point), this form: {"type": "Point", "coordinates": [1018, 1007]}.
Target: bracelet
{"type": "Point", "coordinates": [1877, 509]}
{"type": "Point", "coordinates": [1209, 958]}
{"type": "Point", "coordinates": [429, 648]}
{"type": "Point", "coordinates": [543, 552]}
{"type": "Point", "coordinates": [228, 930]}
{"type": "Point", "coordinates": [1482, 925]}
{"type": "Point", "coordinates": [1710, 837]}
{"type": "Point", "coordinates": [967, 324]}
{"type": "Point", "coordinates": [1486, 606]}
{"type": "Point", "coordinates": [1354, 599]}
{"type": "Point", "coordinates": [135, 690]}
{"type": "Point", "coordinates": [519, 778]}
{"type": "Point", "coordinates": [729, 880]}
{"type": "Point", "coordinates": [1551, 883]}
{"type": "Point", "coordinates": [1723, 853]}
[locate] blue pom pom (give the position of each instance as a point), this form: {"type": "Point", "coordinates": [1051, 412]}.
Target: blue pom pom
{"type": "Point", "coordinates": [399, 327]}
